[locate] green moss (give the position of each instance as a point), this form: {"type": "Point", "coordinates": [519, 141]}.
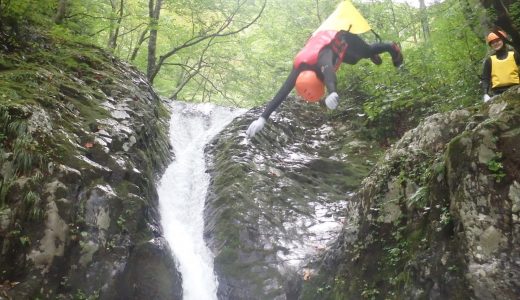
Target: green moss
{"type": "Point", "coordinates": [23, 156]}
{"type": "Point", "coordinates": [6, 64]}
{"type": "Point", "coordinates": [30, 80]}
{"type": "Point", "coordinates": [227, 257]}
{"type": "Point", "coordinates": [382, 265]}
{"type": "Point", "coordinates": [162, 112]}
{"type": "Point", "coordinates": [318, 287]}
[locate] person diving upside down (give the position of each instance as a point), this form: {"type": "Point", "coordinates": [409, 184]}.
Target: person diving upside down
{"type": "Point", "coordinates": [315, 66]}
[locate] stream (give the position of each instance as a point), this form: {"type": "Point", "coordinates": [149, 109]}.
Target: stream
{"type": "Point", "coordinates": [182, 193]}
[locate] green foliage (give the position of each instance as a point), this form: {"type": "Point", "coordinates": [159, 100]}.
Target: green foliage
{"type": "Point", "coordinates": [25, 241]}
{"type": "Point", "coordinates": [418, 200]}
{"type": "Point", "coordinates": [32, 201]}
{"type": "Point", "coordinates": [243, 69]}
{"type": "Point", "coordinates": [439, 74]}
{"type": "Point", "coordinates": [445, 217]}
{"type": "Point", "coordinates": [25, 155]}
{"type": "Point", "coordinates": [496, 167]}
{"type": "Point", "coordinates": [34, 11]}
{"type": "Point", "coordinates": [81, 295]}
{"type": "Point", "coordinates": [19, 157]}
{"type": "Point", "coordinates": [63, 33]}
{"type": "Point", "coordinates": [514, 12]}
{"type": "Point", "coordinates": [247, 68]}
{"type": "Point", "coordinates": [121, 221]}
{"type": "Point", "coordinates": [5, 184]}
{"type": "Point", "coordinates": [369, 292]}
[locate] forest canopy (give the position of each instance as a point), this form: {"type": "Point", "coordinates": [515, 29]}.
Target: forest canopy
{"type": "Point", "coordinates": [238, 53]}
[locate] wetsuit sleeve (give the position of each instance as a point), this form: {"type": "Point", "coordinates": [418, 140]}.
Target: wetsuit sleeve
{"type": "Point", "coordinates": [283, 92]}
{"type": "Point", "coordinates": [326, 63]}
{"type": "Point", "coordinates": [486, 76]}
{"type": "Point", "coordinates": [356, 50]}
{"type": "Point", "coordinates": [359, 49]}
{"type": "Point", "coordinates": [379, 48]}
{"type": "Point", "coordinates": [517, 58]}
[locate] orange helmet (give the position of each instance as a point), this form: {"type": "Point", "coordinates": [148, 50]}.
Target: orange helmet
{"type": "Point", "coordinates": [493, 36]}
{"type": "Point", "coordinates": [309, 86]}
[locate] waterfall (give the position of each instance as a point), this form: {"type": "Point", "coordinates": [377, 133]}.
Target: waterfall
{"type": "Point", "coordinates": [182, 193]}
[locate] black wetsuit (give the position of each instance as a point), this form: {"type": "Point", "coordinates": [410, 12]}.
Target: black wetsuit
{"type": "Point", "coordinates": [357, 49]}
{"type": "Point", "coordinates": [486, 71]}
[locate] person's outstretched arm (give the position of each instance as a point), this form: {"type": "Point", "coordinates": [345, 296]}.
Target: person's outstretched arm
{"type": "Point", "coordinates": [486, 79]}
{"type": "Point", "coordinates": [326, 67]}
{"type": "Point", "coordinates": [326, 62]}
{"type": "Point", "coordinates": [282, 94]}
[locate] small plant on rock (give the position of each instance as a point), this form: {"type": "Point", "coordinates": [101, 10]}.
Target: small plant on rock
{"type": "Point", "coordinates": [496, 167]}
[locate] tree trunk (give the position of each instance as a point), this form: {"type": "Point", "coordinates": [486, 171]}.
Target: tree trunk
{"type": "Point", "coordinates": [395, 27]}
{"type": "Point", "coordinates": [141, 40]}
{"type": "Point", "coordinates": [154, 65]}
{"type": "Point", "coordinates": [318, 10]}
{"type": "Point", "coordinates": [61, 11]}
{"type": "Point", "coordinates": [424, 20]}
{"type": "Point", "coordinates": [112, 24]}
{"type": "Point", "coordinates": [505, 22]}
{"type": "Point", "coordinates": [154, 11]}
{"type": "Point", "coordinates": [115, 25]}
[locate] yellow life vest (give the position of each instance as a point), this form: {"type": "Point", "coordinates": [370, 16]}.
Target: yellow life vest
{"type": "Point", "coordinates": [504, 72]}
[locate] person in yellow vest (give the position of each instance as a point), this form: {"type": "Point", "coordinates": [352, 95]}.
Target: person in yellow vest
{"type": "Point", "coordinates": [500, 70]}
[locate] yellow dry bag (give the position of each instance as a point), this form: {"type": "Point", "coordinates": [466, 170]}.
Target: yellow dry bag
{"type": "Point", "coordinates": [345, 17]}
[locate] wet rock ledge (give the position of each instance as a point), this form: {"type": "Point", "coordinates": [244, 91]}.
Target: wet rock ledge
{"type": "Point", "coordinates": [83, 138]}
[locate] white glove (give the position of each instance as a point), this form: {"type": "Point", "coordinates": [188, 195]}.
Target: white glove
{"type": "Point", "coordinates": [255, 127]}
{"type": "Point", "coordinates": [332, 100]}
{"type": "Point", "coordinates": [486, 98]}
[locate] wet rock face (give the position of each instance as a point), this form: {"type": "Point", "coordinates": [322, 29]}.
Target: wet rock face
{"type": "Point", "coordinates": [148, 275]}
{"type": "Point", "coordinates": [482, 172]}
{"type": "Point", "coordinates": [438, 217]}
{"type": "Point", "coordinates": [278, 199]}
{"type": "Point", "coordinates": [93, 229]}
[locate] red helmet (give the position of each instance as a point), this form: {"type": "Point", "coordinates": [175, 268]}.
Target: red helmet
{"type": "Point", "coordinates": [309, 86]}
{"type": "Point", "coordinates": [493, 36]}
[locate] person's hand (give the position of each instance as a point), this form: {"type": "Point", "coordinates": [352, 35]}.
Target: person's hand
{"type": "Point", "coordinates": [486, 98]}
{"type": "Point", "coordinates": [376, 59]}
{"type": "Point", "coordinates": [397, 56]}
{"type": "Point", "coordinates": [255, 127]}
{"type": "Point", "coordinates": [332, 100]}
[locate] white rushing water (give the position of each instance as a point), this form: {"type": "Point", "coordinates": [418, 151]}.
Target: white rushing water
{"type": "Point", "coordinates": [182, 193]}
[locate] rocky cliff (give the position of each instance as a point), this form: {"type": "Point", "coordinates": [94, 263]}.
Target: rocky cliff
{"type": "Point", "coordinates": [436, 218]}
{"type": "Point", "coordinates": [276, 201]}
{"type": "Point", "coordinates": [311, 208]}
{"type": "Point", "coordinates": [83, 138]}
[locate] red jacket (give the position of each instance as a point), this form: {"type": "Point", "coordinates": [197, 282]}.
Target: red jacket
{"type": "Point", "coordinates": [309, 53]}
